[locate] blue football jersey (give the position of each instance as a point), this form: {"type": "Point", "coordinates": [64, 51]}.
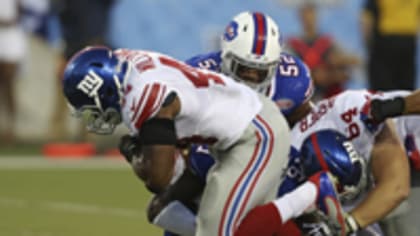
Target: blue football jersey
{"type": "Point", "coordinates": [291, 86]}
{"type": "Point", "coordinates": [294, 175]}
{"type": "Point", "coordinates": [211, 61]}
{"type": "Point", "coordinates": [200, 161]}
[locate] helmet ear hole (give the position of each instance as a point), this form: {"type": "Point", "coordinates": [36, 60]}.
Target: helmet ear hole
{"type": "Point", "coordinates": [97, 64]}
{"type": "Point", "coordinates": [245, 28]}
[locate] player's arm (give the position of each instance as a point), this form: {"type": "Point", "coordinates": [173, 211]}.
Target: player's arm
{"type": "Point", "coordinates": [391, 173]}
{"type": "Point", "coordinates": [412, 103]}
{"type": "Point", "coordinates": [158, 138]}
{"type": "Point", "coordinates": [388, 108]}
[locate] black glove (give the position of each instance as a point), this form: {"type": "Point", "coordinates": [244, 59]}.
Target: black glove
{"type": "Point", "coordinates": [129, 147]}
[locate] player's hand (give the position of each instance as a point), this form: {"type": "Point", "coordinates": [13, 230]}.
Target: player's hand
{"type": "Point", "coordinates": [317, 224]}
{"type": "Point", "coordinates": [314, 224]}
{"type": "Point", "coordinates": [129, 147]}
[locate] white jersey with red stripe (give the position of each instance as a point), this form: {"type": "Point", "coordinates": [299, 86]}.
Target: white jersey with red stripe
{"type": "Point", "coordinates": [341, 113]}
{"type": "Point", "coordinates": [214, 108]}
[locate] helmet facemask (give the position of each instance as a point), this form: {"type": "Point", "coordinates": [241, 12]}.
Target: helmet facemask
{"type": "Point", "coordinates": [102, 121]}
{"type": "Point", "coordinates": [255, 75]}
{"type": "Point", "coordinates": [97, 121]}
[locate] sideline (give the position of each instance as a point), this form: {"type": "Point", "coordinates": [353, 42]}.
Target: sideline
{"type": "Point", "coordinates": [40, 162]}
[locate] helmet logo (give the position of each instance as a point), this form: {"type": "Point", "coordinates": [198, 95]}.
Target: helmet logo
{"type": "Point", "coordinates": [90, 84]}
{"type": "Point", "coordinates": [231, 31]}
{"type": "Point", "coordinates": [284, 103]}
{"type": "Point", "coordinates": [350, 149]}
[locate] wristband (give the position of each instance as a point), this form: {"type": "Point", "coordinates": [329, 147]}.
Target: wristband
{"type": "Point", "coordinates": [382, 109]}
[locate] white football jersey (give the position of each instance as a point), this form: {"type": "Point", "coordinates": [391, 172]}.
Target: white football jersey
{"type": "Point", "coordinates": [214, 108]}
{"type": "Point", "coordinates": [343, 114]}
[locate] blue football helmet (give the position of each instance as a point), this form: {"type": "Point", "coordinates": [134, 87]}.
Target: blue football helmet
{"type": "Point", "coordinates": [92, 84]}
{"type": "Point", "coordinates": [331, 151]}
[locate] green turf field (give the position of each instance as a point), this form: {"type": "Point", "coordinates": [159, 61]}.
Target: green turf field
{"type": "Point", "coordinates": [38, 199]}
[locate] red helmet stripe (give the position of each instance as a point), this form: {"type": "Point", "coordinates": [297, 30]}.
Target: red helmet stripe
{"type": "Point", "coordinates": [318, 152]}
{"type": "Point", "coordinates": [260, 34]}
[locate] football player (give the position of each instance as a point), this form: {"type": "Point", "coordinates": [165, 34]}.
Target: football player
{"type": "Point", "coordinates": [166, 103]}
{"type": "Point", "coordinates": [378, 143]}
{"type": "Point", "coordinates": [251, 54]}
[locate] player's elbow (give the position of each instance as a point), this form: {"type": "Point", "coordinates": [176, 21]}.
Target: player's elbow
{"type": "Point", "coordinates": [403, 192]}
{"type": "Point", "coordinates": [400, 192]}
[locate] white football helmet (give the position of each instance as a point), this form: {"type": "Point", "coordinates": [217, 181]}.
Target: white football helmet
{"type": "Point", "coordinates": [251, 41]}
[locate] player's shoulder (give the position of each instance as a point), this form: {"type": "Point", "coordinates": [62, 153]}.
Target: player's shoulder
{"type": "Point", "coordinates": [286, 57]}
{"type": "Point", "coordinates": [209, 61]}
{"type": "Point", "coordinates": [355, 95]}
{"type": "Point", "coordinates": [292, 84]}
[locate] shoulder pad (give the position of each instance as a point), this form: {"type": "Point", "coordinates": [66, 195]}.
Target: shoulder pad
{"type": "Point", "coordinates": [200, 161]}
{"type": "Point", "coordinates": [292, 85]}
{"type": "Point", "coordinates": [210, 61]}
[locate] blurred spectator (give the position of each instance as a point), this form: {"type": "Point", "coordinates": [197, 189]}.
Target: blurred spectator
{"type": "Point", "coordinates": [34, 14]}
{"type": "Point", "coordinates": [12, 52]}
{"type": "Point", "coordinates": [82, 23]}
{"type": "Point", "coordinates": [328, 63]}
{"type": "Point", "coordinates": [390, 30]}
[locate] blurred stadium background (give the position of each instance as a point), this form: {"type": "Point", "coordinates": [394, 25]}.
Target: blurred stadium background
{"type": "Point", "coordinates": [96, 194]}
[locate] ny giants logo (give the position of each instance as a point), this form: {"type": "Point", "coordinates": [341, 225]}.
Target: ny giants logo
{"type": "Point", "coordinates": [350, 150]}
{"type": "Point", "coordinates": [91, 84]}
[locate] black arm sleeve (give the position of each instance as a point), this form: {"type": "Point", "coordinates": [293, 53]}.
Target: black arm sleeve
{"type": "Point", "coordinates": [158, 131]}
{"type": "Point", "coordinates": [382, 109]}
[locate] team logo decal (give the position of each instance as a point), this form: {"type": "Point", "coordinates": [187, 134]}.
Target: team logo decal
{"type": "Point", "coordinates": [284, 103]}
{"type": "Point", "coordinates": [231, 31]}
{"type": "Point", "coordinates": [91, 84]}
